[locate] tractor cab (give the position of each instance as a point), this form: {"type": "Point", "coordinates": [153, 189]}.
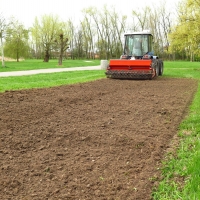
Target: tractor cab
{"type": "Point", "coordinates": [137, 45]}
{"type": "Point", "coordinates": [138, 60]}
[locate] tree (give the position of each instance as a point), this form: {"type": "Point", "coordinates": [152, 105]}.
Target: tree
{"type": "Point", "coordinates": [103, 31]}
{"type": "Point", "coordinates": [142, 18]}
{"type": "Point", "coordinates": [184, 38]}
{"type": "Point", "coordinates": [16, 44]}
{"type": "Point", "coordinates": [45, 32]}
{"type": "Point", "coordinates": [63, 45]}
{"type": "Point", "coordinates": [36, 40]}
{"type": "Point", "coordinates": [61, 42]}
{"type": "Point", "coordinates": [118, 29]}
{"type": "Point", "coordinates": [3, 26]}
{"type": "Point", "coordinates": [158, 21]}
{"type": "Point", "coordinates": [88, 36]}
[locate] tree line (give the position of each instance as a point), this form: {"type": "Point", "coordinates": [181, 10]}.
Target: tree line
{"type": "Point", "coordinates": [99, 34]}
{"type": "Point", "coordinates": [184, 37]}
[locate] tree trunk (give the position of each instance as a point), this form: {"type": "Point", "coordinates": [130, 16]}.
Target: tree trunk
{"type": "Point", "coordinates": [63, 47]}
{"type": "Point", "coordinates": [174, 56]}
{"type": "Point", "coordinates": [2, 52]}
{"type": "Point", "coordinates": [17, 56]}
{"type": "Point", "coordinates": [60, 60]}
{"type": "Point", "coordinates": [191, 57]}
{"type": "Point", "coordinates": [46, 57]}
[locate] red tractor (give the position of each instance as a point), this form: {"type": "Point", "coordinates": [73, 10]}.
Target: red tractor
{"type": "Point", "coordinates": [138, 60]}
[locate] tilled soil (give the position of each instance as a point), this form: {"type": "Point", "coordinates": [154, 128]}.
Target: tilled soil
{"type": "Point", "coordinates": [100, 140]}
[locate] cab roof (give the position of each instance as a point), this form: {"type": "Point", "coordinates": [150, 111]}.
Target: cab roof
{"type": "Point", "coordinates": [139, 33]}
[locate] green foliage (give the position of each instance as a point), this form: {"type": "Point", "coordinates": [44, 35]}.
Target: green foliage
{"type": "Point", "coordinates": [16, 44]}
{"type": "Point", "coordinates": [16, 49]}
{"type": "Point", "coordinates": [184, 37]}
{"type": "Point", "coordinates": [45, 32]}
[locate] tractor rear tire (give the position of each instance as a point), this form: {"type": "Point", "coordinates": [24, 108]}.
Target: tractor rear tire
{"type": "Point", "coordinates": [161, 68]}
{"type": "Point", "coordinates": [156, 67]}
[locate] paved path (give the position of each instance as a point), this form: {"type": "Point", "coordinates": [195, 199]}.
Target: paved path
{"type": "Point", "coordinates": [44, 71]}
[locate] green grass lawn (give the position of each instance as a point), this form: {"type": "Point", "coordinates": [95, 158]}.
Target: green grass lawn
{"type": "Point", "coordinates": [184, 165]}
{"type": "Point", "coordinates": [39, 64]}
{"type": "Point", "coordinates": [49, 80]}
{"type": "Point", "coordinates": [182, 69]}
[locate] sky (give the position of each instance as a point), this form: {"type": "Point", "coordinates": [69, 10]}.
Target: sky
{"type": "Point", "coordinates": [26, 10]}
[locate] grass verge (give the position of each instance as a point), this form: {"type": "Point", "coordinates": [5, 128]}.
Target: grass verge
{"type": "Point", "coordinates": [182, 69]}
{"type": "Point", "coordinates": [39, 64]}
{"type": "Point", "coordinates": [181, 170]}
{"type": "Point", "coordinates": [49, 80]}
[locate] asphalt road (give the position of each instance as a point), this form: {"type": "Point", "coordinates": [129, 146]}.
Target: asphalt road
{"type": "Point", "coordinates": [45, 71]}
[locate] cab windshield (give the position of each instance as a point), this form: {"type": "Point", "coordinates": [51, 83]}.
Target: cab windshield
{"type": "Point", "coordinates": [137, 45]}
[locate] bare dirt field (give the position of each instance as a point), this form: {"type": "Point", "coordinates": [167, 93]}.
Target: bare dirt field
{"type": "Point", "coordinates": [102, 140]}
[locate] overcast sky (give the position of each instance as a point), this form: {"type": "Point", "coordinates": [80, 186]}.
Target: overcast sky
{"type": "Point", "coordinates": [26, 10]}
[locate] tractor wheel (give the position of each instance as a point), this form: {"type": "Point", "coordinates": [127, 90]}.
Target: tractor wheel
{"type": "Point", "coordinates": [156, 67]}
{"type": "Point", "coordinates": [161, 68]}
